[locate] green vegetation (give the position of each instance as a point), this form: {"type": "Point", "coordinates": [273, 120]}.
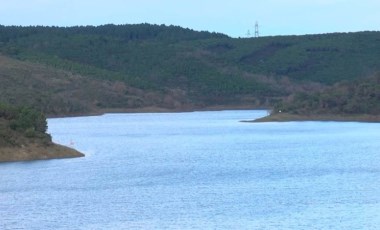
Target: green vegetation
{"type": "Point", "coordinates": [18, 123]}
{"type": "Point", "coordinates": [23, 136]}
{"type": "Point", "coordinates": [350, 98]}
{"type": "Point", "coordinates": [84, 69]}
{"type": "Point", "coordinates": [87, 69]}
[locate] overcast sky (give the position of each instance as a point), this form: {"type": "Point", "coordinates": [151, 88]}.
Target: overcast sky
{"type": "Point", "coordinates": [233, 17]}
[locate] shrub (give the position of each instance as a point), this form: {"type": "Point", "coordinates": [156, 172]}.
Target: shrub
{"type": "Point", "coordinates": [29, 119]}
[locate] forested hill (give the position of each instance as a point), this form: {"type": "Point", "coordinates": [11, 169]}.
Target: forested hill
{"type": "Point", "coordinates": [354, 98]}
{"type": "Point", "coordinates": [169, 66]}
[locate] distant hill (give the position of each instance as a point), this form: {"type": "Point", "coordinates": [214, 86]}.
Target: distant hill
{"type": "Point", "coordinates": [84, 69]}
{"type": "Point", "coordinates": [58, 92]}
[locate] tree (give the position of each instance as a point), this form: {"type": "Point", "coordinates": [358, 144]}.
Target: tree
{"type": "Point", "coordinates": [29, 119]}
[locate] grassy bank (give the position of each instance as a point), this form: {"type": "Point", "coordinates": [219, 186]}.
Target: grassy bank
{"type": "Point", "coordinates": [37, 152]}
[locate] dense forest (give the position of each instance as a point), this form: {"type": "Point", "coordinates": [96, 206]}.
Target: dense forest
{"type": "Point", "coordinates": [352, 98]}
{"type": "Point", "coordinates": [23, 136]}
{"type": "Point", "coordinates": [20, 123]}
{"type": "Point", "coordinates": [66, 70]}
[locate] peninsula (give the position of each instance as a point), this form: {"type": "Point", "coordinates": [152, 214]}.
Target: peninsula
{"type": "Point", "coordinates": [356, 100]}
{"type": "Point", "coordinates": [23, 137]}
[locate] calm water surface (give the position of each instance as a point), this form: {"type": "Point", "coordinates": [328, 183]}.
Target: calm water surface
{"type": "Point", "coordinates": [201, 170]}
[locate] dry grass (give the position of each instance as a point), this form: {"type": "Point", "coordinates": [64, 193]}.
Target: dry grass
{"type": "Point", "coordinates": [62, 93]}
{"type": "Point", "coordinates": [37, 152]}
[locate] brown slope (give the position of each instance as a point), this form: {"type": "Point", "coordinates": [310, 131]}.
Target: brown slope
{"type": "Point", "coordinates": [58, 92]}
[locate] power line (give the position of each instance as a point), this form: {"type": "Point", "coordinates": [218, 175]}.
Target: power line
{"type": "Point", "coordinates": [248, 34]}
{"type": "Point", "coordinates": [257, 34]}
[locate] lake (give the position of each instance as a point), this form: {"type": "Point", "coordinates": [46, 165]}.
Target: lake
{"type": "Point", "coordinates": [198, 170]}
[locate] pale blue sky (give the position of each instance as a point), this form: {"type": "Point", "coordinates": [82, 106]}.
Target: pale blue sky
{"type": "Point", "coordinates": [234, 18]}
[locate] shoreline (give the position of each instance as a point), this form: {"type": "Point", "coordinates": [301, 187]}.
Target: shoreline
{"type": "Point", "coordinates": [35, 152]}
{"type": "Point", "coordinates": [285, 117]}
{"type": "Point", "coordinates": [278, 117]}
{"type": "Point", "coordinates": [152, 109]}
